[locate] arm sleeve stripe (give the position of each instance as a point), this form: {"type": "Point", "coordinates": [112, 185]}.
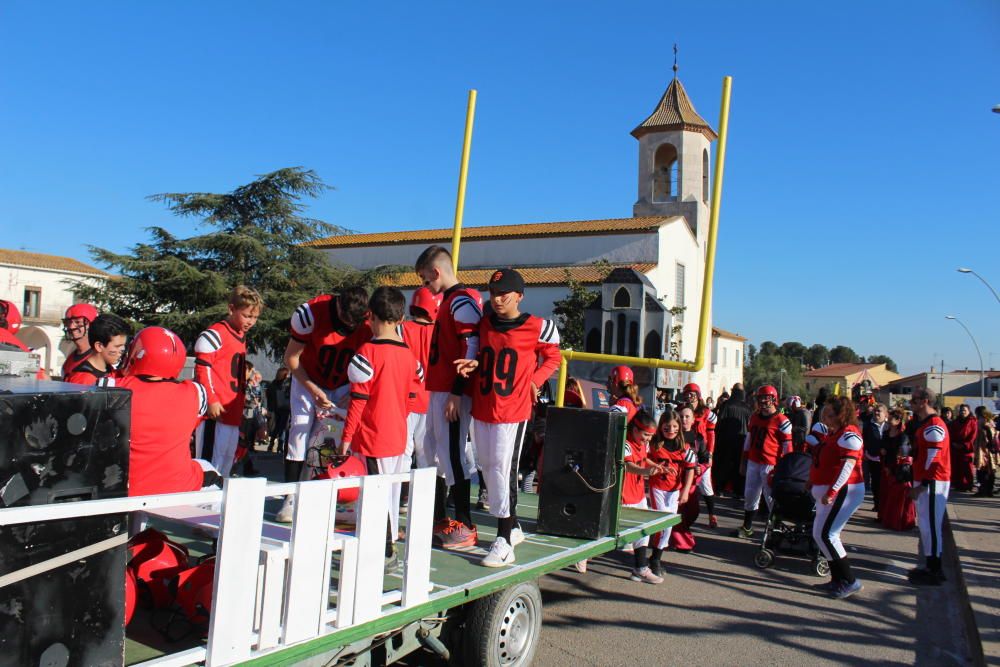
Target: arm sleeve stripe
{"type": "Point", "coordinates": [206, 343]}
{"type": "Point", "coordinates": [934, 433]}
{"type": "Point", "coordinates": [202, 399]}
{"type": "Point", "coordinates": [302, 321]}
{"type": "Point", "coordinates": [361, 363]}
{"type": "Point", "coordinates": [359, 395]}
{"type": "Point", "coordinates": [689, 457]}
{"type": "Point", "coordinates": [712, 418]}
{"type": "Point", "coordinates": [851, 441]}
{"type": "Point", "coordinates": [420, 371]}
{"type": "Point", "coordinates": [785, 426]}
{"type": "Point", "coordinates": [359, 370]}
{"type": "Point", "coordinates": [202, 362]}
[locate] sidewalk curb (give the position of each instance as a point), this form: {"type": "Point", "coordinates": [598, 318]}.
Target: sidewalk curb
{"type": "Point", "coordinates": [954, 563]}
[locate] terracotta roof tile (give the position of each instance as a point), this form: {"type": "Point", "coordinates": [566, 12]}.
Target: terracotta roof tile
{"type": "Point", "coordinates": [51, 262]}
{"type": "Point", "coordinates": [675, 112]}
{"type": "Point", "coordinates": [839, 370]}
{"type": "Point", "coordinates": [578, 227]}
{"type": "Point", "coordinates": [533, 275]}
{"type": "Point", "coordinates": [716, 331]}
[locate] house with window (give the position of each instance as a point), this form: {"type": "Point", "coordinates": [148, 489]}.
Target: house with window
{"type": "Point", "coordinates": [727, 362]}
{"type": "Point", "coordinates": [40, 286]}
{"type": "Point", "coordinates": [871, 377]}
{"type": "Point", "coordinates": [953, 387]}
{"type": "Point", "coordinates": [656, 256]}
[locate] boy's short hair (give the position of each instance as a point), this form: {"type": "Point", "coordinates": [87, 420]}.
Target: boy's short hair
{"type": "Point", "coordinates": [245, 297]}
{"type": "Point", "coordinates": [431, 257]}
{"type": "Point", "coordinates": [105, 327]}
{"type": "Point", "coordinates": [353, 305]}
{"type": "Point", "coordinates": [388, 304]}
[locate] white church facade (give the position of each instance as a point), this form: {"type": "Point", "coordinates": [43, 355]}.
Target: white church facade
{"type": "Point", "coordinates": [657, 256]}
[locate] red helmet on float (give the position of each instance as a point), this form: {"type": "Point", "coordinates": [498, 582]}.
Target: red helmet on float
{"type": "Point", "coordinates": [194, 592]}
{"type": "Point", "coordinates": [427, 301]}
{"type": "Point", "coordinates": [83, 311]}
{"type": "Point", "coordinates": [130, 595]}
{"type": "Point", "coordinates": [154, 561]}
{"type": "Point", "coordinates": [156, 351]}
{"type": "Point", "coordinates": [768, 391]}
{"type": "Point", "coordinates": [691, 387]}
{"type": "Point", "coordinates": [621, 375]}
{"type": "Point", "coordinates": [347, 466]}
{"type": "Point", "coordinates": [13, 315]}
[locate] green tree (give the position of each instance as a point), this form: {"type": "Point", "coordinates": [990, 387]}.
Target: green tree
{"type": "Point", "coordinates": [883, 359]}
{"type": "Point", "coordinates": [817, 356]}
{"type": "Point", "coordinates": [256, 235]}
{"type": "Point", "coordinates": [570, 311]}
{"type": "Point", "coordinates": [843, 355]}
{"type": "Point", "coordinates": [793, 350]}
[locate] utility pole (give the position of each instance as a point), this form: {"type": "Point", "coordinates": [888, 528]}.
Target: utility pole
{"type": "Point", "coordinates": [941, 390]}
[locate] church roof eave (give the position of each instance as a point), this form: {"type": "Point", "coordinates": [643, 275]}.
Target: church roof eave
{"type": "Point", "coordinates": [675, 111]}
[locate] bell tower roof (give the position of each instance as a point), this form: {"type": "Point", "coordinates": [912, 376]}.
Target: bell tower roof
{"type": "Point", "coordinates": [675, 112]}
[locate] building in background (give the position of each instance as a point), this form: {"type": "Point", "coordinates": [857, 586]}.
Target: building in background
{"type": "Point", "coordinates": [954, 387]}
{"type": "Point", "coordinates": [40, 285]}
{"type": "Point", "coordinates": [660, 250]}
{"type": "Point", "coordinates": [727, 361]}
{"type": "Point", "coordinates": [848, 376]}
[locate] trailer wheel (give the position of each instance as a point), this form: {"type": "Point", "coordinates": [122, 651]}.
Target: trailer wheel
{"type": "Point", "coordinates": [502, 630]}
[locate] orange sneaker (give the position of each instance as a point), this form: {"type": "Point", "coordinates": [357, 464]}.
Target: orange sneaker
{"type": "Point", "coordinates": [458, 535]}
{"type": "Point", "coordinates": [712, 521]}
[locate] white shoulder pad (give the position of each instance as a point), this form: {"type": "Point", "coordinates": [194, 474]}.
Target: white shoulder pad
{"type": "Point", "coordinates": [850, 440]}
{"type": "Point", "coordinates": [712, 417]}
{"type": "Point", "coordinates": [465, 310]}
{"type": "Point", "coordinates": [208, 342]}
{"type": "Point", "coordinates": [359, 370]}
{"type": "Point", "coordinates": [934, 433]}
{"type": "Point", "coordinates": [302, 320]}
{"type": "Point", "coordinates": [549, 333]}
{"type": "Point", "coordinates": [785, 426]}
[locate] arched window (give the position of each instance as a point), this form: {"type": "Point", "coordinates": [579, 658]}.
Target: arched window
{"type": "Point", "coordinates": [665, 167]}
{"type": "Point", "coordinates": [653, 346]}
{"type": "Point", "coordinates": [609, 336]}
{"type": "Point", "coordinates": [620, 334]}
{"type": "Point", "coordinates": [593, 343]}
{"type": "Point", "coordinates": [622, 298]}
{"type": "Point", "coordinates": [633, 339]}
{"type": "Point", "coordinates": [704, 176]}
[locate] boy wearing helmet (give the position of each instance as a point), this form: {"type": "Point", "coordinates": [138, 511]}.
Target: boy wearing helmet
{"type": "Point", "coordinates": [417, 334]}
{"type": "Point", "coordinates": [107, 335]}
{"type": "Point", "coordinates": [165, 411]}
{"type": "Point", "coordinates": [76, 325]}
{"type": "Point", "coordinates": [769, 437]}
{"type": "Point", "coordinates": [10, 322]}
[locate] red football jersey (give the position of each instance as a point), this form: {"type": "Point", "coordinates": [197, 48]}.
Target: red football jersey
{"type": "Point", "coordinates": [85, 373]}
{"type": "Point", "coordinates": [768, 438]}
{"type": "Point", "coordinates": [704, 423]}
{"type": "Point", "coordinates": [633, 487]}
{"type": "Point", "coordinates": [932, 434]}
{"type": "Point", "coordinates": [417, 335]}
{"type": "Point", "coordinates": [382, 376]}
{"type": "Point", "coordinates": [831, 453]}
{"type": "Point", "coordinates": [676, 464]}
{"type": "Point", "coordinates": [164, 415]}
{"type": "Point", "coordinates": [627, 405]}
{"type": "Point", "coordinates": [220, 355]}
{"type": "Point", "coordinates": [330, 343]}
{"type": "Point", "coordinates": [513, 355]}
{"type": "Point", "coordinates": [455, 331]}
{"type": "Point", "coordinates": [73, 359]}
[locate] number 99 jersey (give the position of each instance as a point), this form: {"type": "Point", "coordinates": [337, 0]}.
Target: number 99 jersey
{"type": "Point", "coordinates": [329, 343]}
{"type": "Point", "coordinates": [513, 354]}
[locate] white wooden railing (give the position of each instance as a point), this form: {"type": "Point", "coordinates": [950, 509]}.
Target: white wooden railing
{"type": "Point", "coordinates": [290, 601]}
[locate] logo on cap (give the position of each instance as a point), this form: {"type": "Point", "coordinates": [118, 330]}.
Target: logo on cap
{"type": "Point", "coordinates": [496, 277]}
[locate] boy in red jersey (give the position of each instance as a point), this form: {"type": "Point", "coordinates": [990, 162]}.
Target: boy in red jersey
{"type": "Point", "coordinates": [455, 337]}
{"type": "Point", "coordinates": [838, 486]}
{"type": "Point", "coordinates": [165, 411]}
{"type": "Point", "coordinates": [220, 367]}
{"type": "Point", "coordinates": [76, 325]}
{"type": "Point", "coordinates": [383, 375]}
{"type": "Point", "coordinates": [106, 336]}
{"type": "Point", "coordinates": [931, 483]}
{"type": "Point", "coordinates": [518, 352]}
{"type": "Point", "coordinates": [769, 437]}
{"type": "Point", "coordinates": [325, 333]}
{"type": "Point", "coordinates": [416, 333]}
{"type": "Point", "coordinates": [637, 468]}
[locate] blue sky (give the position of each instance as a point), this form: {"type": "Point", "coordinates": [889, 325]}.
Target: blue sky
{"type": "Point", "coordinates": [861, 169]}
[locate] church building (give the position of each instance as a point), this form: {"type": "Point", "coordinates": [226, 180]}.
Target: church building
{"type": "Point", "coordinates": [648, 305]}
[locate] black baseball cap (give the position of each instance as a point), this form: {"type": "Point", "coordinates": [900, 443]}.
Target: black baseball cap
{"type": "Point", "coordinates": [506, 280]}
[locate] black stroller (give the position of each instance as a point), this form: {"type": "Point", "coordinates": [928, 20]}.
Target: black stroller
{"type": "Point", "coordinates": [789, 524]}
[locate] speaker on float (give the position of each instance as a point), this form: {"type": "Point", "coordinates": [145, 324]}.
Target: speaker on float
{"type": "Point", "coordinates": [580, 466]}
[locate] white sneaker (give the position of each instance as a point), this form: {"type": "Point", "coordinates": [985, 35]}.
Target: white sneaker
{"type": "Point", "coordinates": [528, 483]}
{"type": "Point", "coordinates": [516, 536]}
{"type": "Point", "coordinates": [646, 575]}
{"type": "Point", "coordinates": [287, 510]}
{"type": "Point", "coordinates": [500, 554]}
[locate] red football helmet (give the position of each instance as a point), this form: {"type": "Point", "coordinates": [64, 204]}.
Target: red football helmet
{"type": "Point", "coordinates": [347, 466]}
{"type": "Point", "coordinates": [13, 315]}
{"type": "Point", "coordinates": [154, 561]}
{"type": "Point", "coordinates": [84, 311]}
{"type": "Point", "coordinates": [194, 592]}
{"type": "Point", "coordinates": [767, 391]}
{"type": "Point", "coordinates": [131, 595]}
{"type": "Point", "coordinates": [620, 375]}
{"type": "Point", "coordinates": [427, 301]}
{"type": "Point", "coordinates": [691, 387]}
{"type": "Point", "coordinates": [156, 351]}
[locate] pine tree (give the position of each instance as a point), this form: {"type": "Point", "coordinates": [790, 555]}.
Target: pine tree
{"type": "Point", "coordinates": [257, 235]}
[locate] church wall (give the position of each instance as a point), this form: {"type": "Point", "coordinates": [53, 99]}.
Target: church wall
{"type": "Point", "coordinates": [540, 251]}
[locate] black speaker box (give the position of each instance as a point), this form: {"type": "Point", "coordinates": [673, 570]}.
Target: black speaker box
{"type": "Point", "coordinates": [580, 484]}
{"type": "Point", "coordinates": [62, 443]}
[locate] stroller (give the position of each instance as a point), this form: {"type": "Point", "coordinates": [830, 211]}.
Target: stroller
{"type": "Point", "coordinates": [789, 523]}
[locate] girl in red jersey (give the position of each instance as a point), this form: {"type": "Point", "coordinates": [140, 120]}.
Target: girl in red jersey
{"type": "Point", "coordinates": [637, 468]}
{"type": "Point", "coordinates": [672, 486]}
{"type": "Point", "coordinates": [624, 392]}
{"type": "Point", "coordinates": [682, 539]}
{"type": "Point", "coordinates": [704, 423]}
{"type": "Point", "coordinates": [839, 488]}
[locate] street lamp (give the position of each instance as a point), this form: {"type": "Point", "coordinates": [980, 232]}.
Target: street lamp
{"type": "Point", "coordinates": [982, 372]}
{"type": "Point", "coordinates": [781, 382]}
{"type": "Point", "coordinates": [996, 108]}
{"type": "Point", "coordinates": [965, 270]}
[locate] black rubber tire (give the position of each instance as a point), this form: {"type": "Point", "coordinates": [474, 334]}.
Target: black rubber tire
{"type": "Point", "coordinates": [502, 630]}
{"type": "Point", "coordinates": [763, 558]}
